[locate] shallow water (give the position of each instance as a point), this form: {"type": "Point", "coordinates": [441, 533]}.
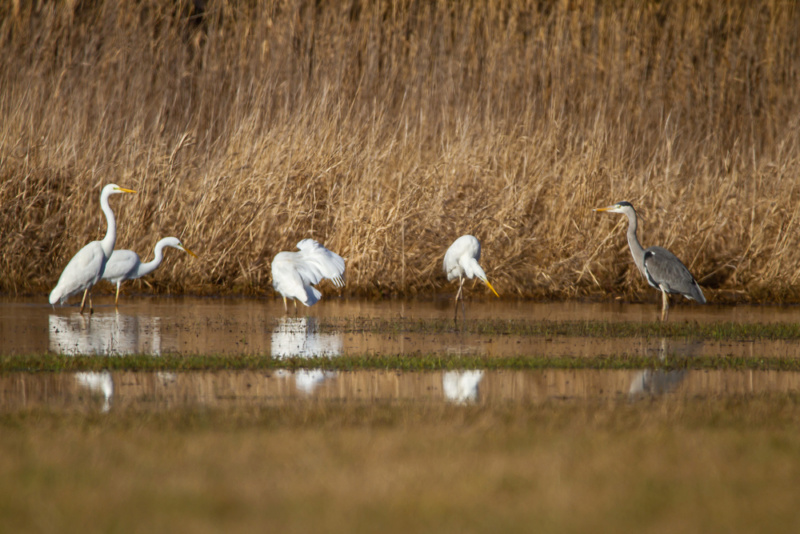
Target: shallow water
{"type": "Point", "coordinates": [259, 326]}
{"type": "Point", "coordinates": [189, 325]}
{"type": "Point", "coordinates": [106, 390]}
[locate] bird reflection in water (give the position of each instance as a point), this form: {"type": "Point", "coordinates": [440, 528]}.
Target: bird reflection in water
{"type": "Point", "coordinates": [104, 334]}
{"type": "Point", "coordinates": [299, 337]}
{"type": "Point", "coordinates": [656, 382]}
{"type": "Point", "coordinates": [98, 383]}
{"type": "Point", "coordinates": [461, 387]}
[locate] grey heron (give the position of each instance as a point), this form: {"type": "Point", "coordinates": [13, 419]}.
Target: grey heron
{"type": "Point", "coordinates": [660, 267]}
{"type": "Point", "coordinates": [461, 261]}
{"type": "Point", "coordinates": [295, 273]}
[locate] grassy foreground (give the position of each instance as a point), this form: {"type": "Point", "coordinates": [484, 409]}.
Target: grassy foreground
{"type": "Point", "coordinates": [693, 465]}
{"type": "Point", "coordinates": [387, 129]}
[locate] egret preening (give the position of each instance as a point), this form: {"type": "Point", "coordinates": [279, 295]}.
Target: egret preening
{"type": "Point", "coordinates": [461, 261]}
{"type": "Point", "coordinates": [126, 265]}
{"type": "Point", "coordinates": [660, 267]}
{"type": "Point", "coordinates": [295, 273]}
{"type": "Point", "coordinates": [86, 267]}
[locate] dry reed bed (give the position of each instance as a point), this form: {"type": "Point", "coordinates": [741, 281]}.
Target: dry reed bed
{"type": "Point", "coordinates": [388, 129]}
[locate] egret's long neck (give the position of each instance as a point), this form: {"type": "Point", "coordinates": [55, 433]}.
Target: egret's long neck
{"type": "Point", "coordinates": [110, 239]}
{"type": "Point", "coordinates": [633, 242]}
{"type": "Point", "coordinates": [150, 266]}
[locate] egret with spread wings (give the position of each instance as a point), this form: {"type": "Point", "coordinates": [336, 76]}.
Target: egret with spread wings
{"type": "Point", "coordinates": [295, 273]}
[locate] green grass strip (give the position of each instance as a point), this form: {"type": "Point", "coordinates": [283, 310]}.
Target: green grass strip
{"type": "Point", "coordinates": [48, 362]}
{"type": "Point", "coordinates": [594, 329]}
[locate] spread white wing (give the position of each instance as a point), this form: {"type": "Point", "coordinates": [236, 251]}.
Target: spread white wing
{"type": "Point", "coordinates": [294, 273]}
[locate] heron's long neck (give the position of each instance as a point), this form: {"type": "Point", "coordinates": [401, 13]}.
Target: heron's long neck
{"type": "Point", "coordinates": [633, 242]}
{"type": "Point", "coordinates": [110, 239]}
{"type": "Point", "coordinates": [150, 266]}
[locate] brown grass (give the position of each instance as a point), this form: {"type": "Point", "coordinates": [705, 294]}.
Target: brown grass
{"type": "Point", "coordinates": [388, 129]}
{"type": "Point", "coordinates": [653, 466]}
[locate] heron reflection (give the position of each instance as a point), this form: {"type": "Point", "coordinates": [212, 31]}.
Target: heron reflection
{"type": "Point", "coordinates": [299, 337]}
{"type": "Point", "coordinates": [656, 382]}
{"type": "Point", "coordinates": [98, 382]}
{"type": "Point", "coordinates": [461, 387]}
{"type": "Point", "coordinates": [104, 334]}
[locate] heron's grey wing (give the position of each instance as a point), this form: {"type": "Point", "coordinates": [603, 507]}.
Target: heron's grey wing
{"type": "Point", "coordinates": [665, 271]}
{"type": "Point", "coordinates": [656, 381]}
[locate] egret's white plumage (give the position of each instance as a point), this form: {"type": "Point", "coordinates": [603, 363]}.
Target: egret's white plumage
{"type": "Point", "coordinates": [461, 387]}
{"type": "Point", "coordinates": [126, 265]}
{"type": "Point", "coordinates": [299, 337]}
{"type": "Point", "coordinates": [660, 267]}
{"type": "Point", "coordinates": [99, 382]}
{"type": "Point", "coordinates": [86, 267]}
{"type": "Point", "coordinates": [461, 261]}
{"type": "Point", "coordinates": [295, 273]}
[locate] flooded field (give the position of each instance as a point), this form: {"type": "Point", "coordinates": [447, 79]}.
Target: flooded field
{"type": "Point", "coordinates": [187, 325]}
{"type": "Point", "coordinates": [291, 442]}
{"type": "Point", "coordinates": [192, 326]}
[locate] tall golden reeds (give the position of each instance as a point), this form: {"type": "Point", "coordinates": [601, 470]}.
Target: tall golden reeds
{"type": "Point", "coordinates": [387, 129]}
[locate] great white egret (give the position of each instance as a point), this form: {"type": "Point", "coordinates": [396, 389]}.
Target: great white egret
{"type": "Point", "coordinates": [86, 267]}
{"type": "Point", "coordinates": [126, 265]}
{"type": "Point", "coordinates": [660, 267]}
{"type": "Point", "coordinates": [295, 273]}
{"type": "Point", "coordinates": [461, 261]}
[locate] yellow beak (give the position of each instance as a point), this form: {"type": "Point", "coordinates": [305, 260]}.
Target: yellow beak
{"type": "Point", "coordinates": [604, 209]}
{"type": "Point", "coordinates": [490, 287]}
